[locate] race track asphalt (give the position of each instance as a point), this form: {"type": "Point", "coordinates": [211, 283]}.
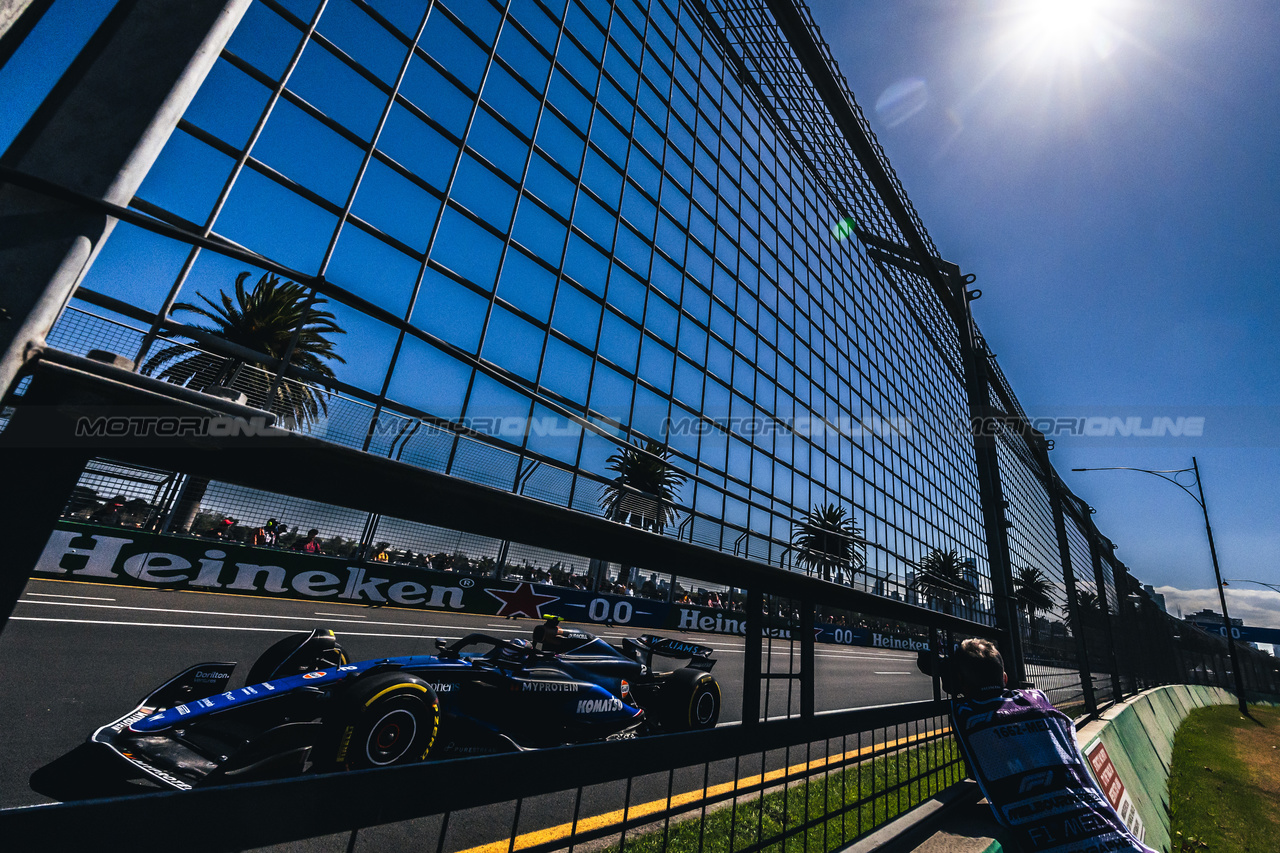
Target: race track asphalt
{"type": "Point", "coordinates": [77, 655]}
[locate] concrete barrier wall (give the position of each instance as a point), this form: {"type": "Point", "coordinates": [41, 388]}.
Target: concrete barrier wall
{"type": "Point", "coordinates": [1130, 751]}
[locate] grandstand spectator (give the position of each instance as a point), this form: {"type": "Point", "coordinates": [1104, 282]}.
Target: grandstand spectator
{"type": "Point", "coordinates": [110, 512]}
{"type": "Point", "coordinates": [310, 545]}
{"type": "Point", "coordinates": [267, 535]}
{"type": "Point", "coordinates": [221, 530]}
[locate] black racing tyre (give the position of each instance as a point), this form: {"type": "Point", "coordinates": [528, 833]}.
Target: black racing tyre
{"type": "Point", "coordinates": [693, 701]}
{"type": "Point", "coordinates": [296, 654]}
{"type": "Point", "coordinates": [382, 719]}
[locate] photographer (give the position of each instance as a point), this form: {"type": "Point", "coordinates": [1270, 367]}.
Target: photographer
{"type": "Point", "coordinates": [1022, 752]}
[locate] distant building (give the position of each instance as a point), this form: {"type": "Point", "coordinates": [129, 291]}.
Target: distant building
{"type": "Point", "coordinates": [1210, 619]}
{"type": "Point", "coordinates": [1157, 597]}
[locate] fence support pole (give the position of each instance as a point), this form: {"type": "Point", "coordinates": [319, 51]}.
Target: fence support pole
{"type": "Point", "coordinates": [1095, 554]}
{"type": "Point", "coordinates": [98, 132]}
{"type": "Point", "coordinates": [807, 675]}
{"type": "Point", "coordinates": [974, 356]}
{"type": "Point", "coordinates": [1054, 486]}
{"type": "Point", "coordinates": [39, 480]}
{"type": "Point", "coordinates": [751, 656]}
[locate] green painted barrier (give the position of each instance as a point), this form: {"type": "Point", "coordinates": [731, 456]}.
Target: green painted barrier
{"type": "Point", "coordinates": [1129, 751]}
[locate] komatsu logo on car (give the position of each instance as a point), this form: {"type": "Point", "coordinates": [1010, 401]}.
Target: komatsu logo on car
{"type": "Point", "coordinates": [599, 706]}
{"type": "Point", "coordinates": [549, 687]}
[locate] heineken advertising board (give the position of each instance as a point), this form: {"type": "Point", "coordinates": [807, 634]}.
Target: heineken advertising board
{"type": "Point", "coordinates": [114, 555]}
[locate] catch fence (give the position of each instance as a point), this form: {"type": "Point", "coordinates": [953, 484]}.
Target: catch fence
{"type": "Point", "coordinates": [782, 327]}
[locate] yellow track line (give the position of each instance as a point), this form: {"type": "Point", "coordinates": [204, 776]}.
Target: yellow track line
{"type": "Point", "coordinates": [616, 818]}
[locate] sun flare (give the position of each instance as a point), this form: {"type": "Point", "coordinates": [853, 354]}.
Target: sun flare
{"type": "Point", "coordinates": [1063, 20]}
{"type": "Point", "coordinates": [1049, 31]}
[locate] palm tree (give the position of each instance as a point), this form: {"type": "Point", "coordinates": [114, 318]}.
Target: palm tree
{"type": "Point", "coordinates": [828, 543]}
{"type": "Point", "coordinates": [266, 320]}
{"type": "Point", "coordinates": [941, 576]}
{"type": "Point", "coordinates": [1033, 592]}
{"type": "Point", "coordinates": [644, 492]}
{"type": "Point", "coordinates": [1089, 607]}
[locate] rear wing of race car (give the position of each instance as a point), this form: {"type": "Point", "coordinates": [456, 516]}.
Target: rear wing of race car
{"type": "Point", "coordinates": [648, 645]}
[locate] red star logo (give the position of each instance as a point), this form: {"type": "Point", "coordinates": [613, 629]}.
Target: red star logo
{"type": "Point", "coordinates": [521, 601]}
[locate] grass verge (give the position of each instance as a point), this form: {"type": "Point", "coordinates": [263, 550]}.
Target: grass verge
{"type": "Point", "coordinates": [816, 816]}
{"type": "Point", "coordinates": [1224, 787]}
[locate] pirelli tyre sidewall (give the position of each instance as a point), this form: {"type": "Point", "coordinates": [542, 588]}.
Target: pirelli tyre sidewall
{"type": "Point", "coordinates": [693, 701]}
{"type": "Point", "coordinates": [380, 720]}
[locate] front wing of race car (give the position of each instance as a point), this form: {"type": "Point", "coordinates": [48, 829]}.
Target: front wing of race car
{"type": "Point", "coordinates": [159, 756]}
{"type": "Point", "coordinates": [181, 734]}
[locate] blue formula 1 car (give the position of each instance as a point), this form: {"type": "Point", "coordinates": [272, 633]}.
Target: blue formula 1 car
{"type": "Point", "coordinates": [306, 709]}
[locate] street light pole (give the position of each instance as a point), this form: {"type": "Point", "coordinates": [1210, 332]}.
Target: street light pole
{"type": "Point", "coordinates": [1222, 593]}
{"type": "Point", "coordinates": [1270, 586]}
{"type": "Point", "coordinates": [1236, 672]}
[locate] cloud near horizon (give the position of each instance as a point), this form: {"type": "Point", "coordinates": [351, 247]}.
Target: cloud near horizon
{"type": "Point", "coordinates": [1258, 608]}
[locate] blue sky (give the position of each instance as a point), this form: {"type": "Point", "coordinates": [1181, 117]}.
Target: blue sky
{"type": "Point", "coordinates": [1110, 170]}
{"type": "Point", "coordinates": [1107, 168]}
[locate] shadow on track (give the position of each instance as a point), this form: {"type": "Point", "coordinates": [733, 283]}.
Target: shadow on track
{"type": "Point", "coordinates": [87, 772]}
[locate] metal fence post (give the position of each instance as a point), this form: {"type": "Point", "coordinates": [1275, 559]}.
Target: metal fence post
{"type": "Point", "coordinates": [40, 479]}
{"type": "Point", "coordinates": [1095, 554]}
{"type": "Point", "coordinates": [751, 656]}
{"type": "Point", "coordinates": [98, 132]}
{"type": "Point", "coordinates": [991, 494]}
{"type": "Point", "coordinates": [1069, 580]}
{"type": "Point", "coordinates": [1128, 651]}
{"type": "Point", "coordinates": [807, 671]}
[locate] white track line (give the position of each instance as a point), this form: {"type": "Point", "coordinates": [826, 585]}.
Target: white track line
{"type": "Point", "coordinates": [55, 595]}
{"type": "Point", "coordinates": [227, 613]}
{"type": "Point", "coordinates": [214, 627]}
{"type": "Point", "coordinates": [720, 646]}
